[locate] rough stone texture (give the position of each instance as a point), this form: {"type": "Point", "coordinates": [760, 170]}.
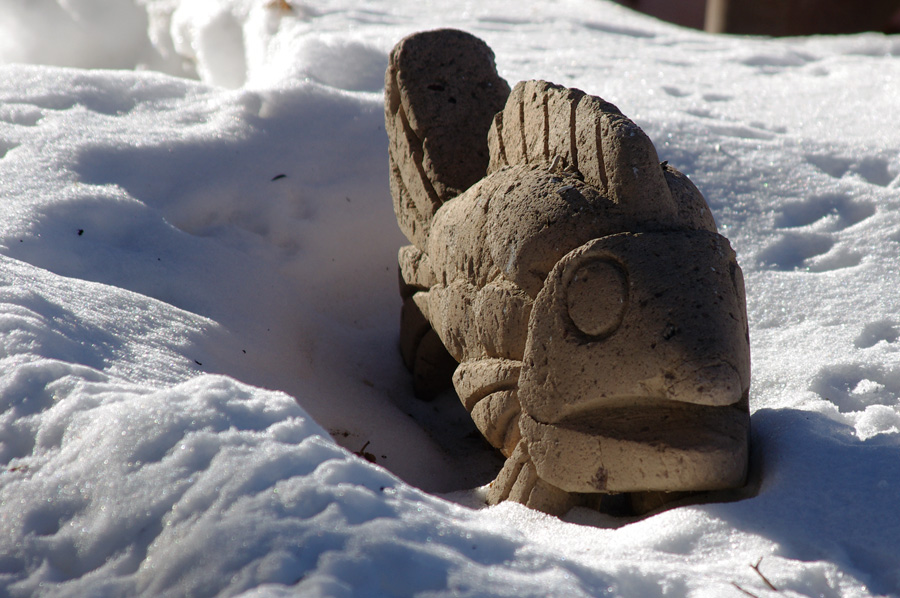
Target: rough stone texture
{"type": "Point", "coordinates": [597, 318]}
{"type": "Point", "coordinates": [637, 315]}
{"type": "Point", "coordinates": [441, 93]}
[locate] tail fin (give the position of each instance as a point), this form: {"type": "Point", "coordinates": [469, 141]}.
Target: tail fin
{"type": "Point", "coordinates": [441, 93]}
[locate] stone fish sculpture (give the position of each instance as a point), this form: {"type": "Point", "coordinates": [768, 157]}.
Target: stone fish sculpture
{"type": "Point", "coordinates": [573, 288]}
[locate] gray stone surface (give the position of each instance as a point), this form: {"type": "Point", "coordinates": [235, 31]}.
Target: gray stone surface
{"type": "Point", "coordinates": [597, 318]}
{"type": "Point", "coordinates": [441, 93]}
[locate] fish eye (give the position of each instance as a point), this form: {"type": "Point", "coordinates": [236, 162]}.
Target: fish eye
{"type": "Point", "coordinates": [597, 297]}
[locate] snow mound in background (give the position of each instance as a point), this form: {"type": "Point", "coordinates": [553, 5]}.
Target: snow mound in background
{"type": "Point", "coordinates": [84, 33]}
{"type": "Point", "coordinates": [226, 43]}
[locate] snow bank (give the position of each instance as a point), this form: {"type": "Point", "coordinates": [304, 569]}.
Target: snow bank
{"type": "Point", "coordinates": [198, 303]}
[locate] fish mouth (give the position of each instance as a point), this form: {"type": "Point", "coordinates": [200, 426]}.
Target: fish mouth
{"type": "Point", "coordinates": [624, 443]}
{"type": "Point", "coordinates": [651, 444]}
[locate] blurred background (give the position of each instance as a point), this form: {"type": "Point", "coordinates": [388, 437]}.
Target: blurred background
{"type": "Point", "coordinates": [776, 17]}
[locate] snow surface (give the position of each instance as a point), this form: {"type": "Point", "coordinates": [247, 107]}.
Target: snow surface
{"type": "Point", "coordinates": [198, 307]}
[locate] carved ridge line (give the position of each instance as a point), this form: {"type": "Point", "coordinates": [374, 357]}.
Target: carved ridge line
{"type": "Point", "coordinates": [521, 106]}
{"type": "Point", "coordinates": [420, 167]}
{"type": "Point", "coordinates": [546, 127]}
{"type": "Point", "coordinates": [501, 145]}
{"type": "Point", "coordinates": [573, 137]}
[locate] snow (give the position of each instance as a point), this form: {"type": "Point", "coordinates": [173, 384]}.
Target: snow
{"type": "Point", "coordinates": [198, 308]}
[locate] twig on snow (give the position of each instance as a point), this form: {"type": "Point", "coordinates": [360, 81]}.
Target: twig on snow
{"type": "Point", "coordinates": [743, 590]}
{"type": "Point", "coordinates": [758, 572]}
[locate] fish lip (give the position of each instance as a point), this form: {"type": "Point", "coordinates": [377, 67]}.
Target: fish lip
{"type": "Point", "coordinates": [654, 444]}
{"type": "Point", "coordinates": [714, 384]}
{"type": "Point", "coordinates": [697, 385]}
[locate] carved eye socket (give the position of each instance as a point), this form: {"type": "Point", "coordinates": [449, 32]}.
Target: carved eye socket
{"type": "Point", "coordinates": [597, 296]}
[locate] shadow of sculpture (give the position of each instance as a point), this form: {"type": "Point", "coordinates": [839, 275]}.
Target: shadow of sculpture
{"type": "Point", "coordinates": [824, 495]}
